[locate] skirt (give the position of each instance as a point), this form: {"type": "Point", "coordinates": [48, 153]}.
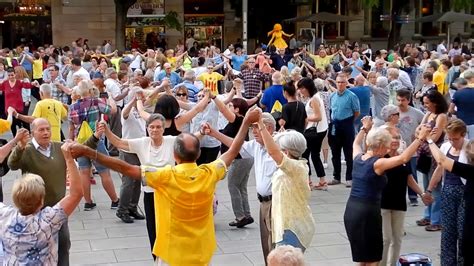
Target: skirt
{"type": "Point", "coordinates": [363, 223]}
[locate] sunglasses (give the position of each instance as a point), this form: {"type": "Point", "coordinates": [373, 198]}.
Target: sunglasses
{"type": "Point", "coordinates": [181, 94]}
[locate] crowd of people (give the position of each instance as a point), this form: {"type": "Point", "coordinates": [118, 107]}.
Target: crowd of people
{"type": "Point", "coordinates": [178, 120]}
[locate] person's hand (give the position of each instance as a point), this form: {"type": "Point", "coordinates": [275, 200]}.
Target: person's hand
{"type": "Point", "coordinates": [425, 130]}
{"type": "Point", "coordinates": [367, 122]}
{"type": "Point", "coordinates": [100, 129]}
{"type": "Point", "coordinates": [427, 198]}
{"type": "Point", "coordinates": [77, 150]}
{"type": "Point", "coordinates": [206, 129]}
{"type": "Point", "coordinates": [65, 148]}
{"type": "Point", "coordinates": [27, 103]}
{"type": "Point", "coordinates": [11, 111]}
{"type": "Point", "coordinates": [253, 116]}
{"type": "Point", "coordinates": [140, 95]}
{"type": "Point", "coordinates": [22, 137]}
{"type": "Point", "coordinates": [434, 131]}
{"type": "Point", "coordinates": [35, 83]}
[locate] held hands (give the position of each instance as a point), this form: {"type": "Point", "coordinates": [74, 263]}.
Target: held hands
{"type": "Point", "coordinates": [425, 130]}
{"type": "Point", "coordinates": [206, 129]}
{"type": "Point", "coordinates": [12, 111]}
{"type": "Point", "coordinates": [65, 148]}
{"type": "Point", "coordinates": [427, 198]}
{"type": "Point", "coordinates": [253, 116]}
{"type": "Point", "coordinates": [367, 122]}
{"type": "Point", "coordinates": [22, 137]}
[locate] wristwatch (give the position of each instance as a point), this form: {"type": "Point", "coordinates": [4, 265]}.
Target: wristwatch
{"type": "Point", "coordinates": [430, 141]}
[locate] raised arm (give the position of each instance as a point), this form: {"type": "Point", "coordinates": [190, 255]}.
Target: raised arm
{"type": "Point", "coordinates": [440, 157]}
{"type": "Point", "coordinates": [272, 148]}
{"type": "Point", "coordinates": [251, 117]}
{"type": "Point", "coordinates": [121, 144]}
{"type": "Point", "coordinates": [383, 164]}
{"type": "Point", "coordinates": [71, 200]}
{"type": "Point", "coordinates": [133, 171]}
{"type": "Point", "coordinates": [367, 124]}
{"type": "Point", "coordinates": [141, 110]}
{"type": "Point", "coordinates": [228, 114]}
{"type": "Point", "coordinates": [227, 141]}
{"type": "Point", "coordinates": [187, 116]}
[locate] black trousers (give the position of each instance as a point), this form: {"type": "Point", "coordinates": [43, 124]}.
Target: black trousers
{"type": "Point", "coordinates": [208, 155]}
{"type": "Point", "coordinates": [314, 142]}
{"type": "Point", "coordinates": [341, 137]}
{"type": "Point", "coordinates": [149, 205]}
{"type": "Point", "coordinates": [130, 189]}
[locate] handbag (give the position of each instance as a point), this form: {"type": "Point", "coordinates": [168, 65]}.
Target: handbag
{"type": "Point", "coordinates": [85, 132]}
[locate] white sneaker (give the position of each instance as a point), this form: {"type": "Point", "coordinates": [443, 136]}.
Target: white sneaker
{"type": "Point", "coordinates": [343, 162]}
{"type": "Point", "coordinates": [325, 165]}
{"type": "Point", "coordinates": [349, 183]}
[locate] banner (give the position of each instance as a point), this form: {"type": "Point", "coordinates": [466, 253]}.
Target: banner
{"type": "Point", "coordinates": [147, 8]}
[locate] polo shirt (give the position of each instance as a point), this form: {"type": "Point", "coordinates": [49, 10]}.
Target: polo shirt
{"type": "Point", "coordinates": [344, 105]}
{"type": "Point", "coordinates": [363, 93]}
{"type": "Point", "coordinates": [271, 96]}
{"type": "Point", "coordinates": [185, 193]}
{"type": "Point", "coordinates": [53, 111]}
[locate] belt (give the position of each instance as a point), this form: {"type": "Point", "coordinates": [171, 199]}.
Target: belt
{"type": "Point", "coordinates": [264, 198]}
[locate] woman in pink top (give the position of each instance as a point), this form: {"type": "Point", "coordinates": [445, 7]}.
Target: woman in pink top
{"type": "Point", "coordinates": [11, 89]}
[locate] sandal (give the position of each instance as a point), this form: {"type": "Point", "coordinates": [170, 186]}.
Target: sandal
{"type": "Point", "coordinates": [321, 186]}
{"type": "Point", "coordinates": [433, 228]}
{"type": "Point", "coordinates": [423, 222]}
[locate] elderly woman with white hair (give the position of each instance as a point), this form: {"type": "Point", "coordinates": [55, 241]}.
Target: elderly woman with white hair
{"type": "Point", "coordinates": [362, 217]}
{"type": "Point", "coordinates": [381, 95]}
{"type": "Point", "coordinates": [292, 220]}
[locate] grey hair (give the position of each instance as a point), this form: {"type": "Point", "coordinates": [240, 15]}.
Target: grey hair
{"type": "Point", "coordinates": [84, 88]}
{"type": "Point", "coordinates": [296, 71]}
{"type": "Point", "coordinates": [292, 141]}
{"type": "Point", "coordinates": [387, 111]}
{"type": "Point", "coordinates": [183, 151]}
{"type": "Point", "coordinates": [46, 89]}
{"type": "Point", "coordinates": [155, 116]}
{"type": "Point", "coordinates": [286, 255]}
{"type": "Point", "coordinates": [189, 75]}
{"type": "Point", "coordinates": [393, 72]}
{"type": "Point", "coordinates": [268, 120]}
{"type": "Point", "coordinates": [469, 74]}
{"type": "Point", "coordinates": [378, 137]}
{"type": "Point", "coordinates": [319, 83]}
{"type": "Point", "coordinates": [382, 82]}
{"type": "Point", "coordinates": [109, 71]}
{"type": "Point", "coordinates": [277, 78]}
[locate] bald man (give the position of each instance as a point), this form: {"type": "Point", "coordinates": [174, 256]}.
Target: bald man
{"type": "Point", "coordinates": [169, 74]}
{"type": "Point", "coordinates": [43, 157]}
{"type": "Point", "coordinates": [187, 189]}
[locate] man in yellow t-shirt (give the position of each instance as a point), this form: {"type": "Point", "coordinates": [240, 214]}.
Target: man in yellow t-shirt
{"type": "Point", "coordinates": [49, 109]}
{"type": "Point", "coordinates": [185, 223]}
{"type": "Point", "coordinates": [210, 79]}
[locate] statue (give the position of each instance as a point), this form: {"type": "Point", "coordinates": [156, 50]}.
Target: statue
{"type": "Point", "coordinates": [277, 37]}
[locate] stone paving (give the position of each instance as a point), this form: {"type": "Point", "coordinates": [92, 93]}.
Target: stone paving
{"type": "Point", "coordinates": [99, 238]}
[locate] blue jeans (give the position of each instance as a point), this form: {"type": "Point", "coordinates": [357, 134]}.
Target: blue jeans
{"type": "Point", "coordinates": [412, 194]}
{"type": "Point", "coordinates": [290, 239]}
{"type": "Point", "coordinates": [433, 211]}
{"type": "Point", "coordinates": [85, 163]}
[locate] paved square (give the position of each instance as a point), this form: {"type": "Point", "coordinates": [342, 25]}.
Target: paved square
{"type": "Point", "coordinates": [98, 237]}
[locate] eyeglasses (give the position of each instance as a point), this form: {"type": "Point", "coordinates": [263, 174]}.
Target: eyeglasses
{"type": "Point", "coordinates": [396, 114]}
{"type": "Point", "coordinates": [181, 94]}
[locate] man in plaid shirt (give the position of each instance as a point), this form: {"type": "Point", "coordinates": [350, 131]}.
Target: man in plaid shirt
{"type": "Point", "coordinates": [60, 92]}
{"type": "Point", "coordinates": [89, 109]}
{"type": "Point", "coordinates": [253, 79]}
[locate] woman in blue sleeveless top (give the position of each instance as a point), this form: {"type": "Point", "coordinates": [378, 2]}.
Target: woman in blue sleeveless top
{"type": "Point", "coordinates": [362, 217]}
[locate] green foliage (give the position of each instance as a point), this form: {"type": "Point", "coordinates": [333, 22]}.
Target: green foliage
{"type": "Point", "coordinates": [172, 21]}
{"type": "Point", "coordinates": [459, 5]}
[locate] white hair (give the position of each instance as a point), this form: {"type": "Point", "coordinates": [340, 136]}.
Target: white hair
{"type": "Point", "coordinates": [382, 82]}
{"type": "Point", "coordinates": [393, 72]}
{"type": "Point", "coordinates": [387, 111]}
{"type": "Point", "coordinates": [269, 120]}
{"type": "Point", "coordinates": [286, 256]}
{"type": "Point", "coordinates": [277, 78]}
{"type": "Point", "coordinates": [84, 88]}
{"type": "Point", "coordinates": [378, 137]}
{"type": "Point", "coordinates": [189, 75]}
{"type": "Point", "coordinates": [46, 89]}
{"type": "Point", "coordinates": [319, 83]}
{"type": "Point", "coordinates": [292, 141]}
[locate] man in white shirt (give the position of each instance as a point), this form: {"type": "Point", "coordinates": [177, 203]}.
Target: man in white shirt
{"type": "Point", "coordinates": [441, 48]}
{"type": "Point", "coordinates": [77, 69]}
{"type": "Point", "coordinates": [265, 167]}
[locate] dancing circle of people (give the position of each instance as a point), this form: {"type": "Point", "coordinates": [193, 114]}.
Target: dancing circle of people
{"type": "Point", "coordinates": [174, 123]}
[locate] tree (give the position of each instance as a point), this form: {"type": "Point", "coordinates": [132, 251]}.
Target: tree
{"type": "Point", "coordinates": [121, 9]}
{"type": "Point", "coordinates": [397, 9]}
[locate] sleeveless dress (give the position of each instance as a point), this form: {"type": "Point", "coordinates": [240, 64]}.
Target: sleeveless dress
{"type": "Point", "coordinates": [362, 217]}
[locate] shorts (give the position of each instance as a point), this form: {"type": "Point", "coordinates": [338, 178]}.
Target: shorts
{"type": "Point", "coordinates": [86, 163]}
